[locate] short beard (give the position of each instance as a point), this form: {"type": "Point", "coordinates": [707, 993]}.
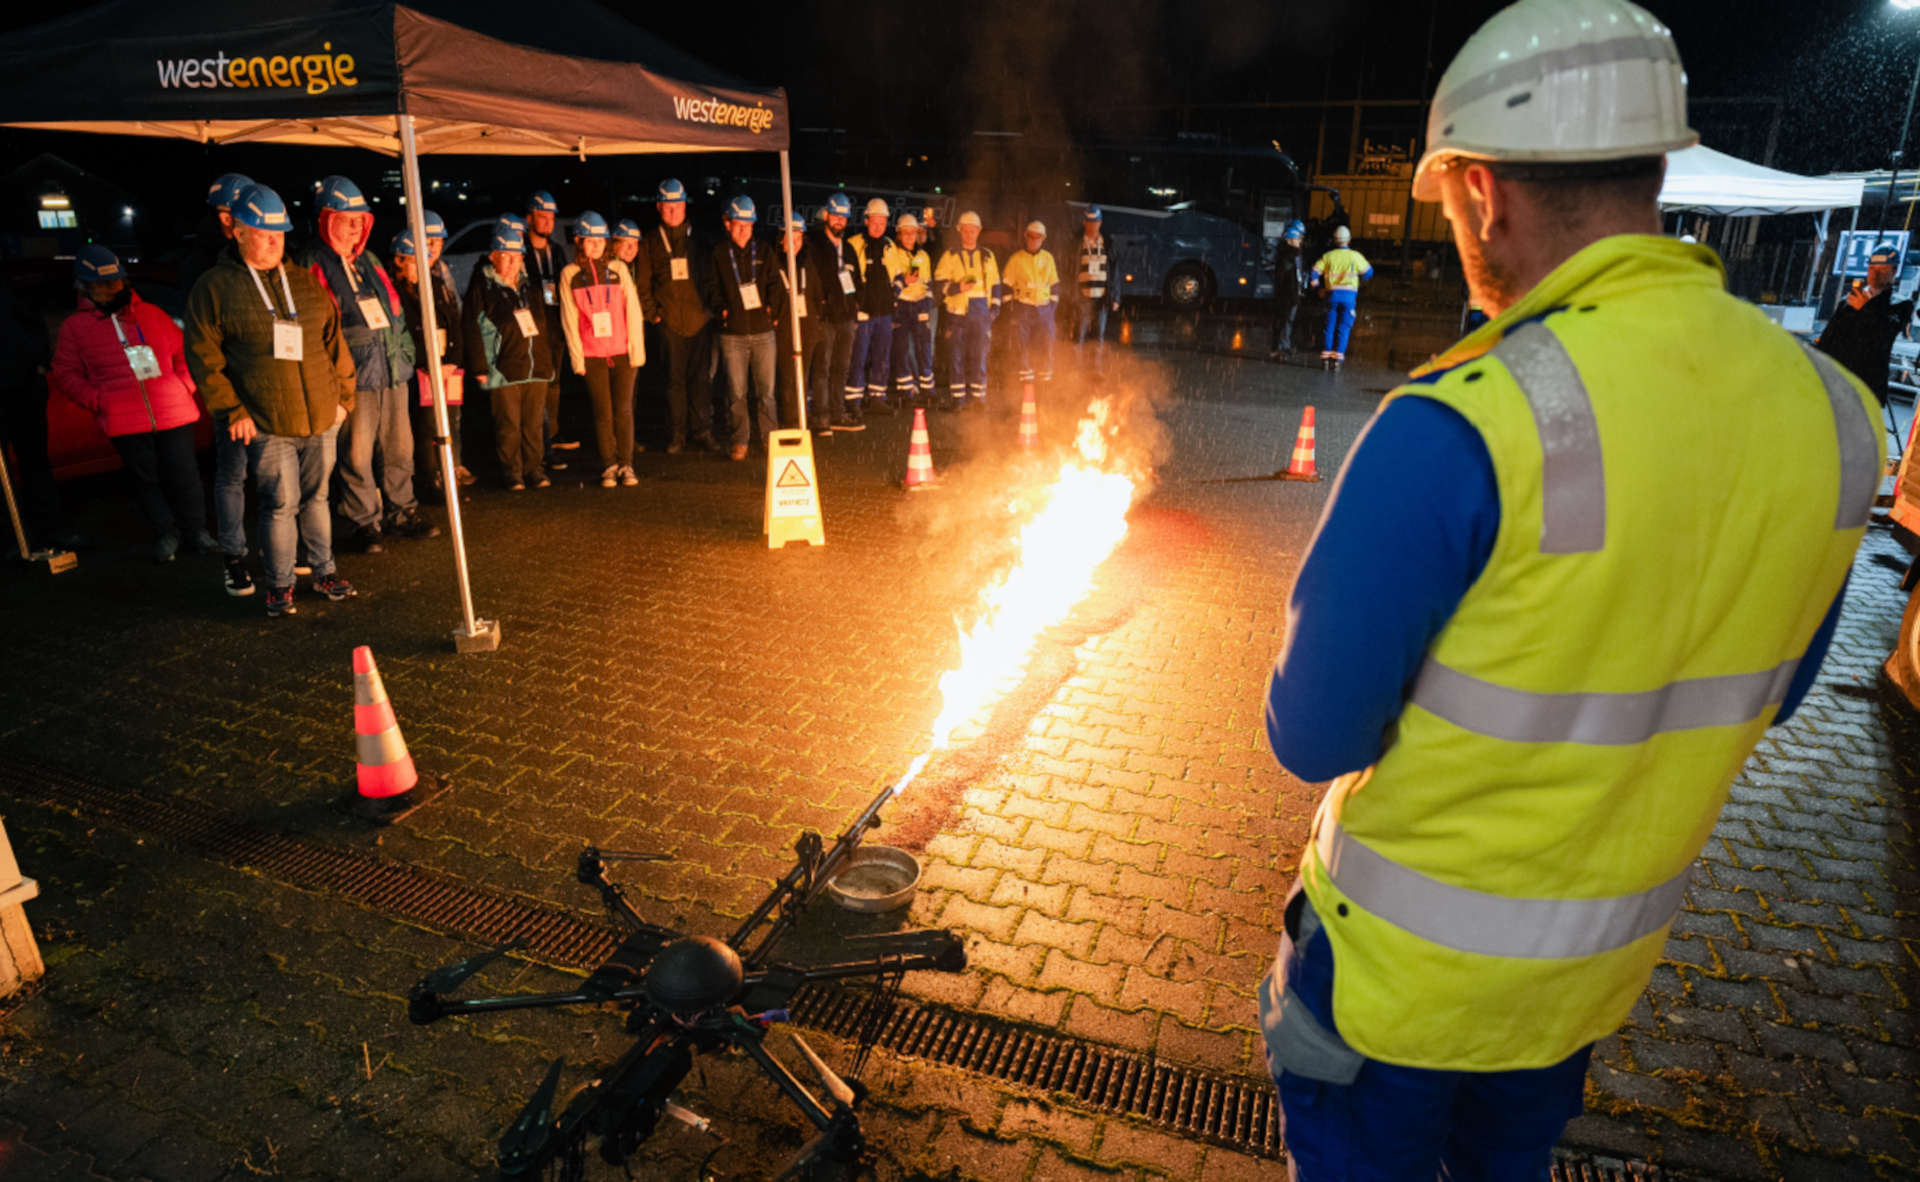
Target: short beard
{"type": "Point", "coordinates": [1491, 284]}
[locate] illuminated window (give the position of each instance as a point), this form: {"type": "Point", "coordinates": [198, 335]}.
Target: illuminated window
{"type": "Point", "coordinates": [58, 219]}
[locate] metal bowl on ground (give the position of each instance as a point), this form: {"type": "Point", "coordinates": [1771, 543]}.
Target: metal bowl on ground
{"type": "Point", "coordinates": [876, 878]}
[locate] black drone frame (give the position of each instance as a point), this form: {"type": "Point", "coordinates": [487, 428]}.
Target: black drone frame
{"type": "Point", "coordinates": [686, 996]}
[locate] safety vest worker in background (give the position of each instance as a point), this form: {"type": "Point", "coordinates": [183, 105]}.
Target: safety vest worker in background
{"type": "Point", "coordinates": [1340, 271]}
{"type": "Point", "coordinates": [1571, 641]}
{"type": "Point", "coordinates": [879, 266]}
{"type": "Point", "coordinates": [969, 279]}
{"type": "Point", "coordinates": [913, 317]}
{"type": "Point", "coordinates": [1033, 290]}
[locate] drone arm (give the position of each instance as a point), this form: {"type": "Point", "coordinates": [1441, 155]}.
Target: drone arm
{"type": "Point", "coordinates": [424, 1007]}
{"type": "Point", "coordinates": [785, 1081]}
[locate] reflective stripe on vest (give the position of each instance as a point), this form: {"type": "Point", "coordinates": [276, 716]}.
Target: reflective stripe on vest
{"type": "Point", "coordinates": [1573, 513]}
{"type": "Point", "coordinates": [1493, 925]}
{"type": "Point", "coordinates": [1859, 449]}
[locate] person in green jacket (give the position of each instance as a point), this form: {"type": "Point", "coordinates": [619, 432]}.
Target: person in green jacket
{"type": "Point", "coordinates": [264, 346]}
{"type": "Point", "coordinates": [509, 354]}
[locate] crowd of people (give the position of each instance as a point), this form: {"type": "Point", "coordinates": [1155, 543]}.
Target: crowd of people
{"type": "Point", "coordinates": [317, 371]}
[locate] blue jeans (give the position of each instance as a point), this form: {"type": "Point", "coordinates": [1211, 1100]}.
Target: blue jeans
{"type": "Point", "coordinates": [380, 417]}
{"type": "Point", "coordinates": [1090, 320]}
{"type": "Point", "coordinates": [290, 474]}
{"type": "Point", "coordinates": [967, 359]}
{"type": "Point", "coordinates": [867, 368]}
{"type": "Point", "coordinates": [912, 366]}
{"type": "Point", "coordinates": [1032, 340]}
{"type": "Point", "coordinates": [749, 359]}
{"type": "Point", "coordinates": [231, 459]}
{"type": "Point", "coordinates": [1386, 1123]}
{"type": "Point", "coordinates": [1340, 313]}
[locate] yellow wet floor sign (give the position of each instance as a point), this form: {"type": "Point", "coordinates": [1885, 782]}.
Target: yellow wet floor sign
{"type": "Point", "coordinates": [793, 491]}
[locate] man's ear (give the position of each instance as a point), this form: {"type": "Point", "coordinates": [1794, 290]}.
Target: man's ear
{"type": "Point", "coordinates": [1487, 198]}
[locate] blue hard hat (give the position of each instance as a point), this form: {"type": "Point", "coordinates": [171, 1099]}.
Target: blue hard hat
{"type": "Point", "coordinates": [1094, 214]}
{"type": "Point", "coordinates": [672, 190]}
{"type": "Point", "coordinates": [589, 225]}
{"type": "Point", "coordinates": [1295, 229]}
{"type": "Point", "coordinates": [511, 221]}
{"type": "Point", "coordinates": [96, 264]}
{"type": "Point", "coordinates": [840, 205]}
{"type": "Point", "coordinates": [222, 193]}
{"type": "Point", "coordinates": [260, 208]}
{"type": "Point", "coordinates": [1885, 255]}
{"type": "Point", "coordinates": [506, 238]}
{"type": "Point", "coordinates": [627, 231]}
{"type": "Point", "coordinates": [436, 225]}
{"type": "Point", "coordinates": [542, 202]}
{"type": "Point", "coordinates": [402, 244]}
{"type": "Point", "coordinates": [740, 209]}
{"type": "Point", "coordinates": [341, 195]}
{"type": "Point", "coordinates": [797, 221]}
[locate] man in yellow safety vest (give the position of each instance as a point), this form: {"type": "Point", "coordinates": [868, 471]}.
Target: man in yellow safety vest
{"type": "Point", "coordinates": [1533, 683]}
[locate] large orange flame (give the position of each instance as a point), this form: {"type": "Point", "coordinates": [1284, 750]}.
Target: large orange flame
{"type": "Point", "coordinates": [1081, 519]}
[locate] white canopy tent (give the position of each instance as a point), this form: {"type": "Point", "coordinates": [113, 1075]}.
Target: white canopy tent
{"type": "Point", "coordinates": [1701, 180]}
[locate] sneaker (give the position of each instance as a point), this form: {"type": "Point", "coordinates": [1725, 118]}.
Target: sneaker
{"type": "Point", "coordinates": [239, 582]}
{"type": "Point", "coordinates": [677, 446]}
{"type": "Point", "coordinates": [414, 524]}
{"type": "Point", "coordinates": [628, 477]}
{"type": "Point", "coordinates": [737, 453]}
{"type": "Point", "coordinates": [541, 482]}
{"type": "Point", "coordinates": [165, 548]}
{"type": "Point", "coordinates": [516, 486]}
{"type": "Point", "coordinates": [609, 476]}
{"type": "Point", "coordinates": [560, 444]}
{"type": "Point", "coordinates": [333, 587]}
{"type": "Point", "coordinates": [280, 602]}
{"type": "Point", "coordinates": [461, 474]}
{"type": "Point", "coordinates": [364, 540]}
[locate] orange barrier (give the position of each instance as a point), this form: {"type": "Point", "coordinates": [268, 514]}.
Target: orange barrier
{"type": "Point", "coordinates": [1301, 466]}
{"type": "Point", "coordinates": [919, 455]}
{"type": "Point", "coordinates": [384, 767]}
{"type": "Point", "coordinates": [1029, 418]}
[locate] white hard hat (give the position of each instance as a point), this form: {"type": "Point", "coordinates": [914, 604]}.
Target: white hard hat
{"type": "Point", "coordinates": [1342, 235]}
{"type": "Point", "coordinates": [878, 208]}
{"type": "Point", "coordinates": [907, 222]}
{"type": "Point", "coordinates": [970, 218]}
{"type": "Point", "coordinates": [1559, 81]}
{"type": "Point", "coordinates": [1037, 228]}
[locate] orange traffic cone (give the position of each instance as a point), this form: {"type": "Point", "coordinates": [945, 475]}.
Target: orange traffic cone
{"type": "Point", "coordinates": [919, 454]}
{"type": "Point", "coordinates": [1029, 418]}
{"type": "Point", "coordinates": [1301, 466]}
{"type": "Point", "coordinates": [385, 774]}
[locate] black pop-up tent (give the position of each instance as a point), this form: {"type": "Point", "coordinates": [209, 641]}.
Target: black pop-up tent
{"type": "Point", "coordinates": [474, 77]}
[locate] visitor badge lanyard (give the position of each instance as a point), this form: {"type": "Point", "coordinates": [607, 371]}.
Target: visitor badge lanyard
{"type": "Point", "coordinates": [749, 291]}
{"type": "Point", "coordinates": [799, 297]}
{"type": "Point", "coordinates": [846, 272]}
{"type": "Point", "coordinates": [676, 266]}
{"type": "Point", "coordinates": [372, 311]}
{"type": "Point", "coordinates": [600, 319]}
{"type": "Point", "coordinates": [287, 344]}
{"type": "Point", "coordinates": [146, 367]}
{"type": "Point", "coordinates": [523, 316]}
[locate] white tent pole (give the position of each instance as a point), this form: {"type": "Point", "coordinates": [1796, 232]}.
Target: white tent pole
{"type": "Point", "coordinates": [1819, 246]}
{"type": "Point", "coordinates": [473, 635]}
{"type": "Point", "coordinates": [793, 288]}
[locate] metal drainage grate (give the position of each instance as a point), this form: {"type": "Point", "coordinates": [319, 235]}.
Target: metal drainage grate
{"type": "Point", "coordinates": [1237, 1112]}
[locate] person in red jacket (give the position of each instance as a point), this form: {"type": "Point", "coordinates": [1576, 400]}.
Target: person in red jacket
{"type": "Point", "coordinates": [122, 360]}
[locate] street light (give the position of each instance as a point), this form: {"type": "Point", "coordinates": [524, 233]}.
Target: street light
{"type": "Point", "coordinates": [1900, 154]}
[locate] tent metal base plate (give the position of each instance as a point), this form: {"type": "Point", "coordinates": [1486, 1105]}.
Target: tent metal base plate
{"type": "Point", "coordinates": [484, 638]}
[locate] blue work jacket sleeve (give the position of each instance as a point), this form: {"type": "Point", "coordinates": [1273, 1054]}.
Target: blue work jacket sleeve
{"type": "Point", "coordinates": [1809, 666]}
{"type": "Point", "coordinates": [1383, 575]}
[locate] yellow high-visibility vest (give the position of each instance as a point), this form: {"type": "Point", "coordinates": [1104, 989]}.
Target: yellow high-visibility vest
{"type": "Point", "coordinates": [957, 266]}
{"type": "Point", "coordinates": [1682, 489]}
{"type": "Point", "coordinates": [1032, 278]}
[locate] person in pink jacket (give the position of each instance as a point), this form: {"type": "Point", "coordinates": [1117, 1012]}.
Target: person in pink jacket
{"type": "Point", "coordinates": [123, 361]}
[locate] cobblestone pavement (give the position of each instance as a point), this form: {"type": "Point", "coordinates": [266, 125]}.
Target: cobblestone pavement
{"type": "Point", "coordinates": [1113, 842]}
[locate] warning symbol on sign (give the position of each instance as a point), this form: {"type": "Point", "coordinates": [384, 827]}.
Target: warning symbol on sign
{"type": "Point", "coordinates": [793, 500]}
{"type": "Point", "coordinates": [792, 477]}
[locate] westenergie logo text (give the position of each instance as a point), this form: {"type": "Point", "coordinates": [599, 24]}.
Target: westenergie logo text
{"type": "Point", "coordinates": [717, 111]}
{"type": "Point", "coordinates": [317, 72]}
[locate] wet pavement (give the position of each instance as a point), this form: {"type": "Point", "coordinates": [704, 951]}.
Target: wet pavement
{"type": "Point", "coordinates": [1113, 842]}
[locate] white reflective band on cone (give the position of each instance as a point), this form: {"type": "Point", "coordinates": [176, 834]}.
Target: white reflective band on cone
{"type": "Point", "coordinates": [1599, 719]}
{"type": "Point", "coordinates": [381, 749]}
{"type": "Point", "coordinates": [1493, 925]}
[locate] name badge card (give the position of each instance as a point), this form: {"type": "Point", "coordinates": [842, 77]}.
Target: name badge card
{"type": "Point", "coordinates": [602, 324]}
{"type": "Point", "coordinates": [846, 281]}
{"type": "Point", "coordinates": [440, 342]}
{"type": "Point", "coordinates": [287, 342]}
{"type": "Point", "coordinates": [524, 318]}
{"type": "Point", "coordinates": [677, 269]}
{"type": "Point", "coordinates": [749, 296]}
{"type": "Point", "coordinates": [146, 366]}
{"type": "Point", "coordinates": [372, 312]}
{"type": "Point", "coordinates": [800, 304]}
{"type": "Point", "coordinates": [546, 292]}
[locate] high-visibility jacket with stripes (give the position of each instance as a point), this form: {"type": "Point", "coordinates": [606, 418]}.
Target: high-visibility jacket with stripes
{"type": "Point", "coordinates": [1342, 269]}
{"type": "Point", "coordinates": [916, 278]}
{"type": "Point", "coordinates": [1682, 488]}
{"type": "Point", "coordinates": [957, 268]}
{"type": "Point", "coordinates": [1032, 278]}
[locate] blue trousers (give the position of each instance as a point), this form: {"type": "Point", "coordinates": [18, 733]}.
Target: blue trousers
{"type": "Point", "coordinates": [967, 359]}
{"type": "Point", "coordinates": [1032, 340]}
{"type": "Point", "coordinates": [290, 474]}
{"type": "Point", "coordinates": [230, 465]}
{"type": "Point", "coordinates": [867, 371]}
{"type": "Point", "coordinates": [913, 347]}
{"type": "Point", "coordinates": [380, 419]}
{"type": "Point", "coordinates": [1390, 1124]}
{"type": "Point", "coordinates": [1340, 311]}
